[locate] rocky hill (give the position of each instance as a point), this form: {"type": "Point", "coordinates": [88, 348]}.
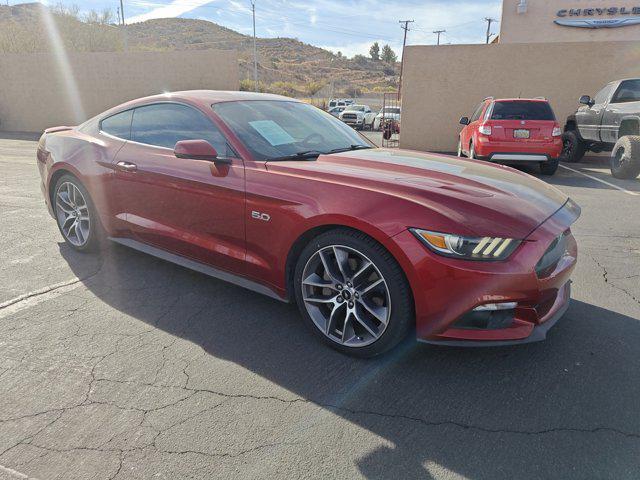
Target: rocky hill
{"type": "Point", "coordinates": [285, 65]}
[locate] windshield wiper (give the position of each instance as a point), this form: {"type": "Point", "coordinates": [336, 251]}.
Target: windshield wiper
{"type": "Point", "coordinates": [297, 156]}
{"type": "Point", "coordinates": [349, 148]}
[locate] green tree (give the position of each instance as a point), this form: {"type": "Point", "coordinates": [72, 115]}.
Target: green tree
{"type": "Point", "coordinates": [388, 55]}
{"type": "Point", "coordinates": [374, 51]}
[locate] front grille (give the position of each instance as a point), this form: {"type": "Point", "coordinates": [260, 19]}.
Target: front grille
{"type": "Point", "coordinates": [547, 264]}
{"type": "Point", "coordinates": [349, 116]}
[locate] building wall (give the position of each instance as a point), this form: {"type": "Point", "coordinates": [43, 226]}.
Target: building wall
{"type": "Point", "coordinates": [443, 83]}
{"type": "Point", "coordinates": [41, 90]}
{"type": "Point", "coordinates": [537, 24]}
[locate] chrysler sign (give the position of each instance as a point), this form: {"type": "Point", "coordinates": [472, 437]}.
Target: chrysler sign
{"type": "Point", "coordinates": [599, 17]}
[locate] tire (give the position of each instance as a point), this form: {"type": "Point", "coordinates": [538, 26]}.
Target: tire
{"type": "Point", "coordinates": [87, 235]}
{"type": "Point", "coordinates": [573, 148]}
{"type": "Point", "coordinates": [549, 167]}
{"type": "Point", "coordinates": [625, 157]}
{"type": "Point", "coordinates": [472, 151]}
{"type": "Point", "coordinates": [391, 298]}
{"type": "Point", "coordinates": [460, 154]}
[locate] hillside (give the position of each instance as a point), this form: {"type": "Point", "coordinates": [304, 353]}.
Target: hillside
{"type": "Point", "coordinates": [285, 65]}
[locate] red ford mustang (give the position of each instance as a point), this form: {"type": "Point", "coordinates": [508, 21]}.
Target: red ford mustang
{"type": "Point", "coordinates": [283, 199]}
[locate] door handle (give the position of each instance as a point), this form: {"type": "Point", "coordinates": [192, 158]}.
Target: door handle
{"type": "Point", "coordinates": [126, 167]}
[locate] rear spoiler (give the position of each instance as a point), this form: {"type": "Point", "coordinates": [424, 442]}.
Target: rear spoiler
{"type": "Point", "coordinates": [57, 129]}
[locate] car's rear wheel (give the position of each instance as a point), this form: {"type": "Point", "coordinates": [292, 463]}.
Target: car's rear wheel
{"type": "Point", "coordinates": [625, 157]}
{"type": "Point", "coordinates": [76, 215]}
{"type": "Point", "coordinates": [573, 148]}
{"type": "Point", "coordinates": [550, 166]}
{"type": "Point", "coordinates": [460, 154]}
{"type": "Point", "coordinates": [353, 294]}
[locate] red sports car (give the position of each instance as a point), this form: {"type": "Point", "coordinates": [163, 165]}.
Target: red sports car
{"type": "Point", "coordinates": [285, 200]}
{"type": "Point", "coordinates": [512, 131]}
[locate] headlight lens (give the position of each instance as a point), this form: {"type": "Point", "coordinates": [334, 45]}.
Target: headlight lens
{"type": "Point", "coordinates": [467, 248]}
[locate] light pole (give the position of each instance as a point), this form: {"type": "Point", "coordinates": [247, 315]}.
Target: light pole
{"type": "Point", "coordinates": [255, 51]}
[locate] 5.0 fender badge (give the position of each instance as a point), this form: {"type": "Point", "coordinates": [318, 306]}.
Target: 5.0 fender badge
{"type": "Point", "coordinates": [265, 217]}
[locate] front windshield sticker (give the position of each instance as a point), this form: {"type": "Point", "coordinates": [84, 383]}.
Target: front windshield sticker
{"type": "Point", "coordinates": [272, 132]}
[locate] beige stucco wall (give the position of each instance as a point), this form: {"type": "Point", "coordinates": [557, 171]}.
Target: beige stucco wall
{"type": "Point", "coordinates": [537, 24]}
{"type": "Point", "coordinates": [37, 90]}
{"type": "Point", "coordinates": [443, 83]}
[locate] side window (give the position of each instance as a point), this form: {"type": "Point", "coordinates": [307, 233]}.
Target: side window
{"type": "Point", "coordinates": [165, 124]}
{"type": "Point", "coordinates": [118, 125]}
{"type": "Point", "coordinates": [477, 113]}
{"type": "Point", "coordinates": [602, 96]}
{"type": "Point", "coordinates": [629, 91]}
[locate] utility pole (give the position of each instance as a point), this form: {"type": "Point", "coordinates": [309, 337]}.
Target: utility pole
{"type": "Point", "coordinates": [405, 27]}
{"type": "Point", "coordinates": [489, 22]}
{"type": "Point", "coordinates": [122, 11]}
{"type": "Point", "coordinates": [438, 33]}
{"type": "Point", "coordinates": [255, 51]}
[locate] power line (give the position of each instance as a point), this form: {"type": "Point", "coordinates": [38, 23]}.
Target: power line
{"type": "Point", "coordinates": [438, 33]}
{"type": "Point", "coordinates": [489, 22]}
{"type": "Point", "coordinates": [405, 27]}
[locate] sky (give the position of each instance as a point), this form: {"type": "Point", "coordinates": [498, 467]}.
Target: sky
{"type": "Point", "coordinates": [348, 26]}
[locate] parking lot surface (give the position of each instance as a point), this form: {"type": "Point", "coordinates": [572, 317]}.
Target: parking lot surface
{"type": "Point", "coordinates": [122, 366]}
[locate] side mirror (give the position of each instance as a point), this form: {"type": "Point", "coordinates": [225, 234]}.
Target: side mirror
{"type": "Point", "coordinates": [464, 121]}
{"type": "Point", "coordinates": [586, 100]}
{"type": "Point", "coordinates": [196, 150]}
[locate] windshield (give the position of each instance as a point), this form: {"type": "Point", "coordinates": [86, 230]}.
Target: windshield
{"type": "Point", "coordinates": [274, 129]}
{"type": "Point", "coordinates": [522, 111]}
{"type": "Point", "coordinates": [355, 108]}
{"type": "Point", "coordinates": [391, 110]}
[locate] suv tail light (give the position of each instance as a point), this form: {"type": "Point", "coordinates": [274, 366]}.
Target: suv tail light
{"type": "Point", "coordinates": [484, 129]}
{"type": "Point", "coordinates": [557, 132]}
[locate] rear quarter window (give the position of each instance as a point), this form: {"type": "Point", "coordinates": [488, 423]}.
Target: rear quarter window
{"type": "Point", "coordinates": [118, 125]}
{"type": "Point", "coordinates": [522, 111]}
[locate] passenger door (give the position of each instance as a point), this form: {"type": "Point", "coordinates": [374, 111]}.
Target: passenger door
{"type": "Point", "coordinates": [589, 118]}
{"type": "Point", "coordinates": [467, 132]}
{"type": "Point", "coordinates": [625, 102]}
{"type": "Point", "coordinates": [194, 208]}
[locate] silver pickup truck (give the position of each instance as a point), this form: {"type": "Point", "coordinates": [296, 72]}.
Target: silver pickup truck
{"type": "Point", "coordinates": [610, 121]}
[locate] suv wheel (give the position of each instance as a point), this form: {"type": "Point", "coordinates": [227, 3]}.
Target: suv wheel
{"type": "Point", "coordinates": [353, 294]}
{"type": "Point", "coordinates": [573, 148]}
{"type": "Point", "coordinates": [550, 166]}
{"type": "Point", "coordinates": [625, 157]}
{"type": "Point", "coordinates": [472, 151]}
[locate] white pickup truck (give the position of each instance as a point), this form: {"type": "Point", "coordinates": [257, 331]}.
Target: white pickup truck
{"type": "Point", "coordinates": [358, 116]}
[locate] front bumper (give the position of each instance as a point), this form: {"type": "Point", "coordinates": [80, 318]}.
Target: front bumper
{"type": "Point", "coordinates": [446, 290]}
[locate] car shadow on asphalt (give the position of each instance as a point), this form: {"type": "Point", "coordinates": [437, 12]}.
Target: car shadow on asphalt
{"type": "Point", "coordinates": [564, 408]}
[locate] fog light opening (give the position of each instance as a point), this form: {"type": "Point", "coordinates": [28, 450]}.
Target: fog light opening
{"type": "Point", "coordinates": [490, 316]}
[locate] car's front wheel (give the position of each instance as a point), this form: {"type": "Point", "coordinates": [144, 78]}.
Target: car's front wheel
{"type": "Point", "coordinates": [75, 214]}
{"type": "Point", "coordinates": [573, 148]}
{"type": "Point", "coordinates": [353, 294]}
{"type": "Point", "coordinates": [460, 154]}
{"type": "Point", "coordinates": [625, 157]}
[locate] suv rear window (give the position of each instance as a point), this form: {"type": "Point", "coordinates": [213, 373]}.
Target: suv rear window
{"type": "Point", "coordinates": [522, 111]}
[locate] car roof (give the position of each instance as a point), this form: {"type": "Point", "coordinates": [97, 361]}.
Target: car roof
{"type": "Point", "coordinates": [519, 100]}
{"type": "Point", "coordinates": [202, 98]}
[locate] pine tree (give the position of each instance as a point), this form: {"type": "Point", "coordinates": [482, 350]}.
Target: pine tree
{"type": "Point", "coordinates": [388, 55]}
{"type": "Point", "coordinates": [374, 51]}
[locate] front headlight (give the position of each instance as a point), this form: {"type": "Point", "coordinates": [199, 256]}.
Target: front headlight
{"type": "Point", "coordinates": [483, 248]}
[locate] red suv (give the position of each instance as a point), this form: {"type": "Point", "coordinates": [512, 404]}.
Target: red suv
{"type": "Point", "coordinates": [513, 130]}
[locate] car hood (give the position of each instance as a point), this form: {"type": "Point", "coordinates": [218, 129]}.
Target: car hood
{"type": "Point", "coordinates": [479, 198]}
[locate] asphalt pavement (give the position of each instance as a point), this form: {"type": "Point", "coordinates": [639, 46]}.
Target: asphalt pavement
{"type": "Point", "coordinates": [122, 366]}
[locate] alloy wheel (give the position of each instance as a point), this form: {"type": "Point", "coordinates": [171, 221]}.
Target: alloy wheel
{"type": "Point", "coordinates": [346, 296]}
{"type": "Point", "coordinates": [72, 213]}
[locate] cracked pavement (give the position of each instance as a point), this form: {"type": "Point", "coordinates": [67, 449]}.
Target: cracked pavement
{"type": "Point", "coordinates": [121, 366]}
